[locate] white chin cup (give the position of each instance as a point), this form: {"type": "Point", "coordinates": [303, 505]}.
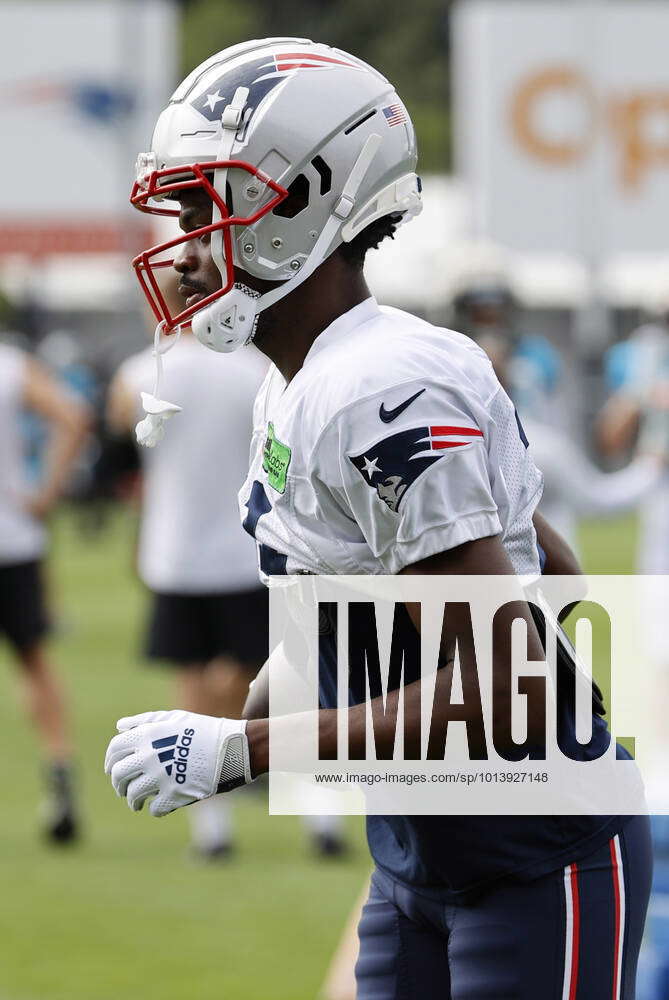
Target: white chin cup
{"type": "Point", "coordinates": [229, 322]}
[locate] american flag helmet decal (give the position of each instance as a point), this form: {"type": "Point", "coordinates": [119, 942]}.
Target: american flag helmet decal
{"type": "Point", "coordinates": [394, 115]}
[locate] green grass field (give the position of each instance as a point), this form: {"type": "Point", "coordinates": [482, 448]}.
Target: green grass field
{"type": "Point", "coordinates": [127, 914]}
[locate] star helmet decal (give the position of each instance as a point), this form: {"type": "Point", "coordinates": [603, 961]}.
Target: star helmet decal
{"type": "Point", "coordinates": [391, 466]}
{"type": "Point", "coordinates": [260, 76]}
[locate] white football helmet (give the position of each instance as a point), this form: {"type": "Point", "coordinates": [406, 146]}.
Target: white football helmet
{"type": "Point", "coordinates": [253, 125]}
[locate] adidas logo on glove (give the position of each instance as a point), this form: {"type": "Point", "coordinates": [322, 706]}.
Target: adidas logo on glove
{"type": "Point", "coordinates": [168, 752]}
{"type": "Point", "coordinates": [155, 755]}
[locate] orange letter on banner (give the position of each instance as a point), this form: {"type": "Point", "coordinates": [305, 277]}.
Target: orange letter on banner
{"type": "Point", "coordinates": [631, 121]}
{"type": "Point", "coordinates": [523, 115]}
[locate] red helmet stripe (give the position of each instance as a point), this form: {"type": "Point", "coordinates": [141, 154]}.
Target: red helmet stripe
{"type": "Point", "coordinates": [308, 60]}
{"type": "Point", "coordinates": [314, 56]}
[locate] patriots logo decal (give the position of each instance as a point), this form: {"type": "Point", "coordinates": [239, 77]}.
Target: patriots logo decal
{"type": "Point", "coordinates": [393, 465]}
{"type": "Point", "coordinates": [260, 76]}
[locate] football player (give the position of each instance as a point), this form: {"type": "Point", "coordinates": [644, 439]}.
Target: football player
{"type": "Point", "coordinates": [288, 161]}
{"type": "Point", "coordinates": [26, 386]}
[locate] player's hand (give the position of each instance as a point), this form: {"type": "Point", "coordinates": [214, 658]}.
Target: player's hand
{"type": "Point", "coordinates": [177, 756]}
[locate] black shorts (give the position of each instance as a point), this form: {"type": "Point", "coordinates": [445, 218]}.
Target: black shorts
{"type": "Point", "coordinates": [196, 628]}
{"type": "Point", "coordinates": [23, 615]}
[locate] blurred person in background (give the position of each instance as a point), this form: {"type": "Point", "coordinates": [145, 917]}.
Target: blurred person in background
{"type": "Point", "coordinates": [209, 616]}
{"type": "Point", "coordinates": [62, 351]}
{"type": "Point", "coordinates": [637, 374]}
{"type": "Point", "coordinates": [573, 485]}
{"type": "Point", "coordinates": [26, 386]}
{"type": "Point", "coordinates": [485, 309]}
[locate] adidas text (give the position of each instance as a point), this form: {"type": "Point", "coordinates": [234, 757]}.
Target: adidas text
{"type": "Point", "coordinates": [181, 755]}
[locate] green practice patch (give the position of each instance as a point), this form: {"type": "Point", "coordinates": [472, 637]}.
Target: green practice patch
{"type": "Point", "coordinates": [275, 461]}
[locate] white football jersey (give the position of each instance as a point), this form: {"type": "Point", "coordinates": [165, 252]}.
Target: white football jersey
{"type": "Point", "coordinates": [393, 442]}
{"type": "Point", "coordinates": [190, 541]}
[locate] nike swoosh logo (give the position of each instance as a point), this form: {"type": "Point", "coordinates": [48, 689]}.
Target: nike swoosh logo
{"type": "Point", "coordinates": [387, 416]}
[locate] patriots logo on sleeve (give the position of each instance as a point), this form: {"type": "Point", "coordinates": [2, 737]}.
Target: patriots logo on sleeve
{"type": "Point", "coordinates": [392, 465]}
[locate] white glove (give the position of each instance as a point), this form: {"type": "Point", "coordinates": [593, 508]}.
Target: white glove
{"type": "Point", "coordinates": [179, 757]}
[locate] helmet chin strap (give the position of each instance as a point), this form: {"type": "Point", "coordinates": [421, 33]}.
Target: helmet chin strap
{"type": "Point", "coordinates": [230, 121]}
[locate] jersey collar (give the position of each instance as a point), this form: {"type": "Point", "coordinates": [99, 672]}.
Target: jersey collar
{"type": "Point", "coordinates": [343, 326]}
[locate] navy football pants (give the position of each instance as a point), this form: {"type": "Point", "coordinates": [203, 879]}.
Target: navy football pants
{"type": "Point", "coordinates": [571, 935]}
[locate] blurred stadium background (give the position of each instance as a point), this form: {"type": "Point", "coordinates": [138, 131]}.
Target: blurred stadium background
{"type": "Point", "coordinates": [544, 138]}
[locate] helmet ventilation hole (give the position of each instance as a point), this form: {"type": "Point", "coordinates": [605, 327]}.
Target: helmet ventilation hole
{"type": "Point", "coordinates": [297, 200]}
{"type": "Point", "coordinates": [360, 121]}
{"type": "Point", "coordinates": [324, 172]}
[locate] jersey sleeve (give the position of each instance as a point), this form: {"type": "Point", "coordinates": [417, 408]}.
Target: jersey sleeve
{"type": "Point", "coordinates": [412, 476]}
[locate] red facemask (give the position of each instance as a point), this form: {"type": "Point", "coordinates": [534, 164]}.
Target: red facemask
{"type": "Point", "coordinates": [157, 183]}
